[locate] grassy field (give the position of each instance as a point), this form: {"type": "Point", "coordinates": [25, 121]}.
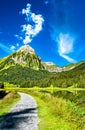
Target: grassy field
{"type": "Point", "coordinates": [57, 113]}
{"type": "Point", "coordinates": [7, 102]}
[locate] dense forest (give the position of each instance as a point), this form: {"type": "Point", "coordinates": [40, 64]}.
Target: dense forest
{"type": "Point", "coordinates": [26, 77]}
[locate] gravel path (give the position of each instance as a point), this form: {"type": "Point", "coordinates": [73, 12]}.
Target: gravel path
{"type": "Point", "coordinates": [23, 116]}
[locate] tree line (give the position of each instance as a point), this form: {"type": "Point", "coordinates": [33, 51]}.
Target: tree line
{"type": "Point", "coordinates": [26, 77]}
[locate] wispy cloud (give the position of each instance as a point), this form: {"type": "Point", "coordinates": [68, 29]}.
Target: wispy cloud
{"type": "Point", "coordinates": [17, 44]}
{"type": "Point", "coordinates": [60, 22]}
{"type": "Point", "coordinates": [18, 37]}
{"type": "Point", "coordinates": [65, 46]}
{"type": "Point", "coordinates": [69, 59]}
{"type": "Point", "coordinates": [12, 48]}
{"type": "Point", "coordinates": [65, 42]}
{"type": "Point", "coordinates": [33, 24]}
{"type": "Point", "coordinates": [5, 48]}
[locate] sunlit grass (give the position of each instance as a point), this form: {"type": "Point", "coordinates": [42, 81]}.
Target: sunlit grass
{"type": "Point", "coordinates": [54, 113]}
{"type": "Point", "coordinates": [7, 102]}
{"type": "Point", "coordinates": [57, 113]}
{"type": "Point", "coordinates": [48, 89]}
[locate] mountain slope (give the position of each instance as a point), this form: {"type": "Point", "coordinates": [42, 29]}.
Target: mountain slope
{"type": "Point", "coordinates": [72, 66]}
{"type": "Point", "coordinates": [27, 77]}
{"type": "Point", "coordinates": [25, 67]}
{"type": "Point", "coordinates": [18, 74]}
{"type": "Point", "coordinates": [51, 67]}
{"type": "Point", "coordinates": [25, 56]}
{"type": "Point", "coordinates": [80, 66]}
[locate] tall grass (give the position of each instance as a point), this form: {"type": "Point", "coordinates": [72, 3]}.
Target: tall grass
{"type": "Point", "coordinates": [7, 102]}
{"type": "Point", "coordinates": [54, 113]}
{"type": "Point", "coordinates": [57, 113]}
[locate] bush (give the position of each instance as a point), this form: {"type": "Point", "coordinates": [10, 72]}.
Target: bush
{"type": "Point", "coordinates": [2, 92]}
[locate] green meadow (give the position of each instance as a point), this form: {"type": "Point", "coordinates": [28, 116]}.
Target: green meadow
{"type": "Point", "coordinates": [58, 109]}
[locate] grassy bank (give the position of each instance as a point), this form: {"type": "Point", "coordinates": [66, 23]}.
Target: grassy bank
{"type": "Point", "coordinates": [7, 102]}
{"type": "Point", "coordinates": [57, 113]}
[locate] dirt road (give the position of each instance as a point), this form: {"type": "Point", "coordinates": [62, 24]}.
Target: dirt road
{"type": "Point", "coordinates": [23, 116]}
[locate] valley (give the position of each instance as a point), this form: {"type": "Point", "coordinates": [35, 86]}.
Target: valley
{"type": "Point", "coordinates": [59, 91]}
{"type": "Point", "coordinates": [42, 65]}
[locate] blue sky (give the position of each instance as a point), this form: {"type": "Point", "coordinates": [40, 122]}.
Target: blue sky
{"type": "Point", "coordinates": [54, 28]}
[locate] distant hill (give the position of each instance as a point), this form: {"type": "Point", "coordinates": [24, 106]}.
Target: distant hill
{"type": "Point", "coordinates": [80, 66]}
{"type": "Point", "coordinates": [72, 66]}
{"type": "Point", "coordinates": [27, 57]}
{"type": "Point", "coordinates": [51, 67]}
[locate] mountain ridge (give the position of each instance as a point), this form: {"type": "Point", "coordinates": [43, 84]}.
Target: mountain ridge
{"type": "Point", "coordinates": [26, 69]}
{"type": "Point", "coordinates": [26, 57]}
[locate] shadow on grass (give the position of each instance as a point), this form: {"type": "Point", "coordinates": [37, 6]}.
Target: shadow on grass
{"type": "Point", "coordinates": [18, 120]}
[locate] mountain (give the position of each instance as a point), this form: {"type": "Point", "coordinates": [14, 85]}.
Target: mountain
{"type": "Point", "coordinates": [51, 67]}
{"type": "Point", "coordinates": [80, 66]}
{"type": "Point", "coordinates": [18, 74]}
{"type": "Point", "coordinates": [26, 77]}
{"type": "Point", "coordinates": [25, 68]}
{"type": "Point", "coordinates": [25, 56]}
{"type": "Point", "coordinates": [72, 66]}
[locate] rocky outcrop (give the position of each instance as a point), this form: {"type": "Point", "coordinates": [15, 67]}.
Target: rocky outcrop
{"type": "Point", "coordinates": [51, 67]}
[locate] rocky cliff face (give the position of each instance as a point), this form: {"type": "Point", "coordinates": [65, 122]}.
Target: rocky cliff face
{"type": "Point", "coordinates": [51, 67]}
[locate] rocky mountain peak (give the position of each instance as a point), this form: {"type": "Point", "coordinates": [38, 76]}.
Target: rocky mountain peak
{"type": "Point", "coordinates": [49, 63]}
{"type": "Point", "coordinates": [26, 49]}
{"type": "Point", "coordinates": [27, 57]}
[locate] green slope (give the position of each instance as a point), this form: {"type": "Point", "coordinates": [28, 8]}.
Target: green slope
{"type": "Point", "coordinates": [29, 77]}
{"type": "Point", "coordinates": [72, 65]}
{"type": "Point", "coordinates": [18, 74]}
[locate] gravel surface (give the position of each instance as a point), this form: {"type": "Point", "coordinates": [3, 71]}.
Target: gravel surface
{"type": "Point", "coordinates": [23, 116]}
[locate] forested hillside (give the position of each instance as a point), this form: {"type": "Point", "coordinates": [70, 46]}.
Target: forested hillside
{"type": "Point", "coordinates": [26, 77]}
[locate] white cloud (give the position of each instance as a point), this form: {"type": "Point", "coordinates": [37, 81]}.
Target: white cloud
{"type": "Point", "coordinates": [17, 44]}
{"type": "Point", "coordinates": [33, 26]}
{"type": "Point", "coordinates": [69, 59]}
{"type": "Point", "coordinates": [27, 11]}
{"type": "Point", "coordinates": [27, 39]}
{"type": "Point", "coordinates": [19, 37]}
{"type": "Point", "coordinates": [65, 46]}
{"type": "Point", "coordinates": [12, 48]}
{"type": "Point", "coordinates": [65, 43]}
